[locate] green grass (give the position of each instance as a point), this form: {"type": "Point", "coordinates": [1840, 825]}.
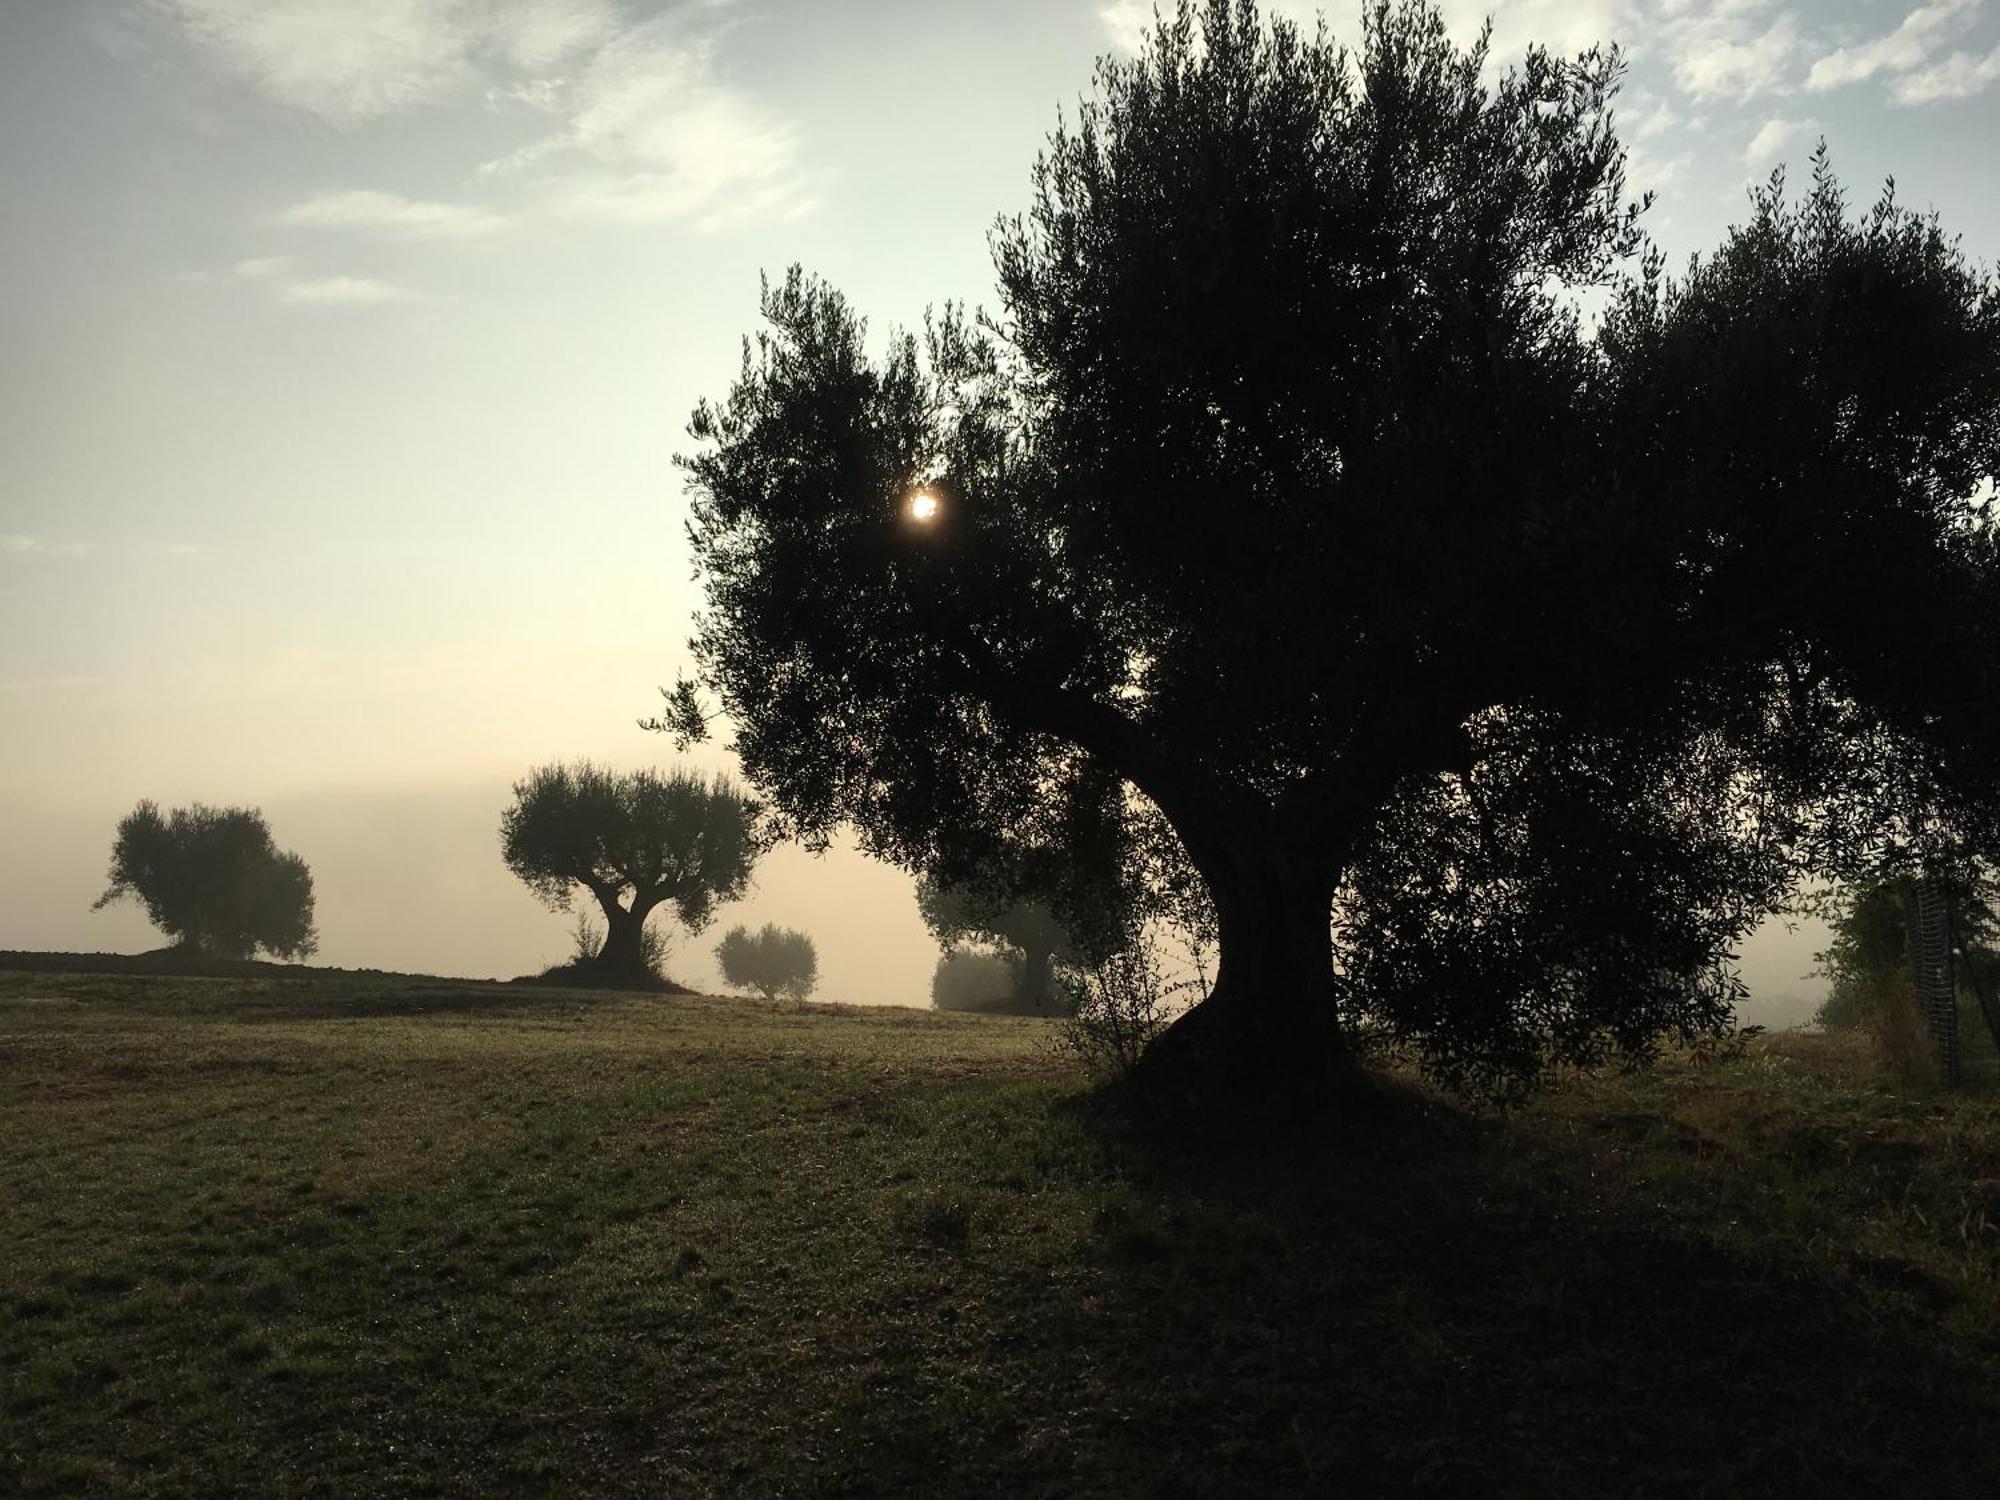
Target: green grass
{"type": "Point", "coordinates": [356, 1236]}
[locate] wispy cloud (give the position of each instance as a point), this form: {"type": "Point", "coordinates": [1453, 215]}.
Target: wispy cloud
{"type": "Point", "coordinates": [1908, 47]}
{"type": "Point", "coordinates": [350, 61]}
{"type": "Point", "coordinates": [42, 684]}
{"type": "Point", "coordinates": [650, 133]}
{"type": "Point", "coordinates": [643, 128]}
{"type": "Point", "coordinates": [364, 208]}
{"type": "Point", "coordinates": [1563, 26]}
{"type": "Point", "coordinates": [283, 277]}
{"type": "Point", "coordinates": [180, 549]}
{"type": "Point", "coordinates": [1642, 117]}
{"type": "Point", "coordinates": [1646, 172]}
{"type": "Point", "coordinates": [1958, 76]}
{"type": "Point", "coordinates": [1774, 137]}
{"type": "Point", "coordinates": [1732, 49]}
{"type": "Point", "coordinates": [261, 267]}
{"type": "Point", "coordinates": [347, 291]}
{"type": "Point", "coordinates": [30, 546]}
{"type": "Point", "coordinates": [1127, 23]}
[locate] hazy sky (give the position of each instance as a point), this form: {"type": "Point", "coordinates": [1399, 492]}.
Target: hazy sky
{"type": "Point", "coordinates": [345, 346]}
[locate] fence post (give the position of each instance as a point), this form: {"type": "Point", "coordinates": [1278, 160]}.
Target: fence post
{"type": "Point", "coordinates": [1930, 961]}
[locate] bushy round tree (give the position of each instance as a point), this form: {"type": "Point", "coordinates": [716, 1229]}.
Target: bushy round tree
{"type": "Point", "coordinates": [213, 880]}
{"type": "Point", "coordinates": [634, 841]}
{"type": "Point", "coordinates": [1497, 669]}
{"type": "Point", "coordinates": [774, 961]}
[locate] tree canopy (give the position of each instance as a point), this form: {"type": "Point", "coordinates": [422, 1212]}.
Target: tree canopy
{"type": "Point", "coordinates": [1496, 669]}
{"type": "Point", "coordinates": [774, 961]}
{"type": "Point", "coordinates": [1055, 890]}
{"type": "Point", "coordinates": [1867, 960]}
{"type": "Point", "coordinates": [213, 880]}
{"type": "Point", "coordinates": [634, 841]}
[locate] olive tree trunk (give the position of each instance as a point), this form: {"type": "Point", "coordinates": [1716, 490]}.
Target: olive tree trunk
{"type": "Point", "coordinates": [1268, 1035]}
{"type": "Point", "coordinates": [1038, 976]}
{"type": "Point", "coordinates": [623, 956]}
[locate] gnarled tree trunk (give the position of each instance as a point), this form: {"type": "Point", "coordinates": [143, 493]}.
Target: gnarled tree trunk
{"type": "Point", "coordinates": [623, 956]}
{"type": "Point", "coordinates": [1268, 1035]}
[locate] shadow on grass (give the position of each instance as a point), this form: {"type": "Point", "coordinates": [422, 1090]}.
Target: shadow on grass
{"type": "Point", "coordinates": [1441, 1304]}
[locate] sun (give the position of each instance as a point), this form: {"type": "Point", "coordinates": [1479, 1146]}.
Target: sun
{"type": "Point", "coordinates": [923, 506]}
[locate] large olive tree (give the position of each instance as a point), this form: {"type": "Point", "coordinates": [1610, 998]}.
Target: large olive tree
{"type": "Point", "coordinates": [1497, 668]}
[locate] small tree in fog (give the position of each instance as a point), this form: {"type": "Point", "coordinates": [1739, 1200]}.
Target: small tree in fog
{"type": "Point", "coordinates": [963, 913]}
{"type": "Point", "coordinates": [212, 879]}
{"type": "Point", "coordinates": [634, 842]}
{"type": "Point", "coordinates": [774, 961]}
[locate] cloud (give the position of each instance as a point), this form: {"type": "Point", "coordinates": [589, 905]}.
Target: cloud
{"type": "Point", "coordinates": [24, 546]}
{"type": "Point", "coordinates": [1127, 22]}
{"type": "Point", "coordinates": [643, 127]}
{"type": "Point", "coordinates": [1645, 117]}
{"type": "Point", "coordinates": [278, 273]}
{"type": "Point", "coordinates": [1922, 31]}
{"type": "Point", "coordinates": [261, 267]}
{"type": "Point", "coordinates": [1565, 27]}
{"type": "Point", "coordinates": [650, 133]}
{"type": "Point", "coordinates": [1772, 138]}
{"type": "Point", "coordinates": [42, 684]}
{"type": "Point", "coordinates": [1728, 50]}
{"type": "Point", "coordinates": [347, 291]}
{"type": "Point", "coordinates": [1647, 173]}
{"type": "Point", "coordinates": [363, 208]}
{"type": "Point", "coordinates": [350, 61]}
{"type": "Point", "coordinates": [1958, 76]}
{"type": "Point", "coordinates": [180, 549]}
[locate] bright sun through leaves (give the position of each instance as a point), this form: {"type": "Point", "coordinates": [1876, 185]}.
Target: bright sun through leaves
{"type": "Point", "coordinates": [923, 506]}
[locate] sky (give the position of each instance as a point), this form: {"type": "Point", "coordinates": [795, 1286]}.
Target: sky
{"type": "Point", "coordinates": [346, 345]}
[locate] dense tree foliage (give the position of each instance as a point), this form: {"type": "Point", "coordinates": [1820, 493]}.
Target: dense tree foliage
{"type": "Point", "coordinates": [212, 879]}
{"type": "Point", "coordinates": [635, 842]}
{"type": "Point", "coordinates": [1495, 669]}
{"type": "Point", "coordinates": [774, 961]}
{"type": "Point", "coordinates": [1867, 959]}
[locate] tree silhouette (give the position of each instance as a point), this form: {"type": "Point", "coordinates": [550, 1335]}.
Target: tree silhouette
{"type": "Point", "coordinates": [633, 841]}
{"type": "Point", "coordinates": [956, 914]}
{"type": "Point", "coordinates": [1496, 669]}
{"type": "Point", "coordinates": [212, 879]}
{"type": "Point", "coordinates": [774, 961]}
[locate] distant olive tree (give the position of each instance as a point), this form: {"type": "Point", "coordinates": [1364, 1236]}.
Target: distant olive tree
{"type": "Point", "coordinates": [212, 879]}
{"type": "Point", "coordinates": [774, 961]}
{"type": "Point", "coordinates": [957, 914]}
{"type": "Point", "coordinates": [635, 842]}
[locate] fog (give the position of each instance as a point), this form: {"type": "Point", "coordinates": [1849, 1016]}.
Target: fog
{"type": "Point", "coordinates": [410, 879]}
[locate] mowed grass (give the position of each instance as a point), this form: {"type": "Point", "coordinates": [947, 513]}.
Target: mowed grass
{"type": "Point", "coordinates": [367, 1237]}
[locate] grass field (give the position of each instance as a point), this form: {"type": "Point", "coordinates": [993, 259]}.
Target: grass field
{"type": "Point", "coordinates": [362, 1236]}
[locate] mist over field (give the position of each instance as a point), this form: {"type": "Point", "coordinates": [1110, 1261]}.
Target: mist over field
{"type": "Point", "coordinates": [411, 880]}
